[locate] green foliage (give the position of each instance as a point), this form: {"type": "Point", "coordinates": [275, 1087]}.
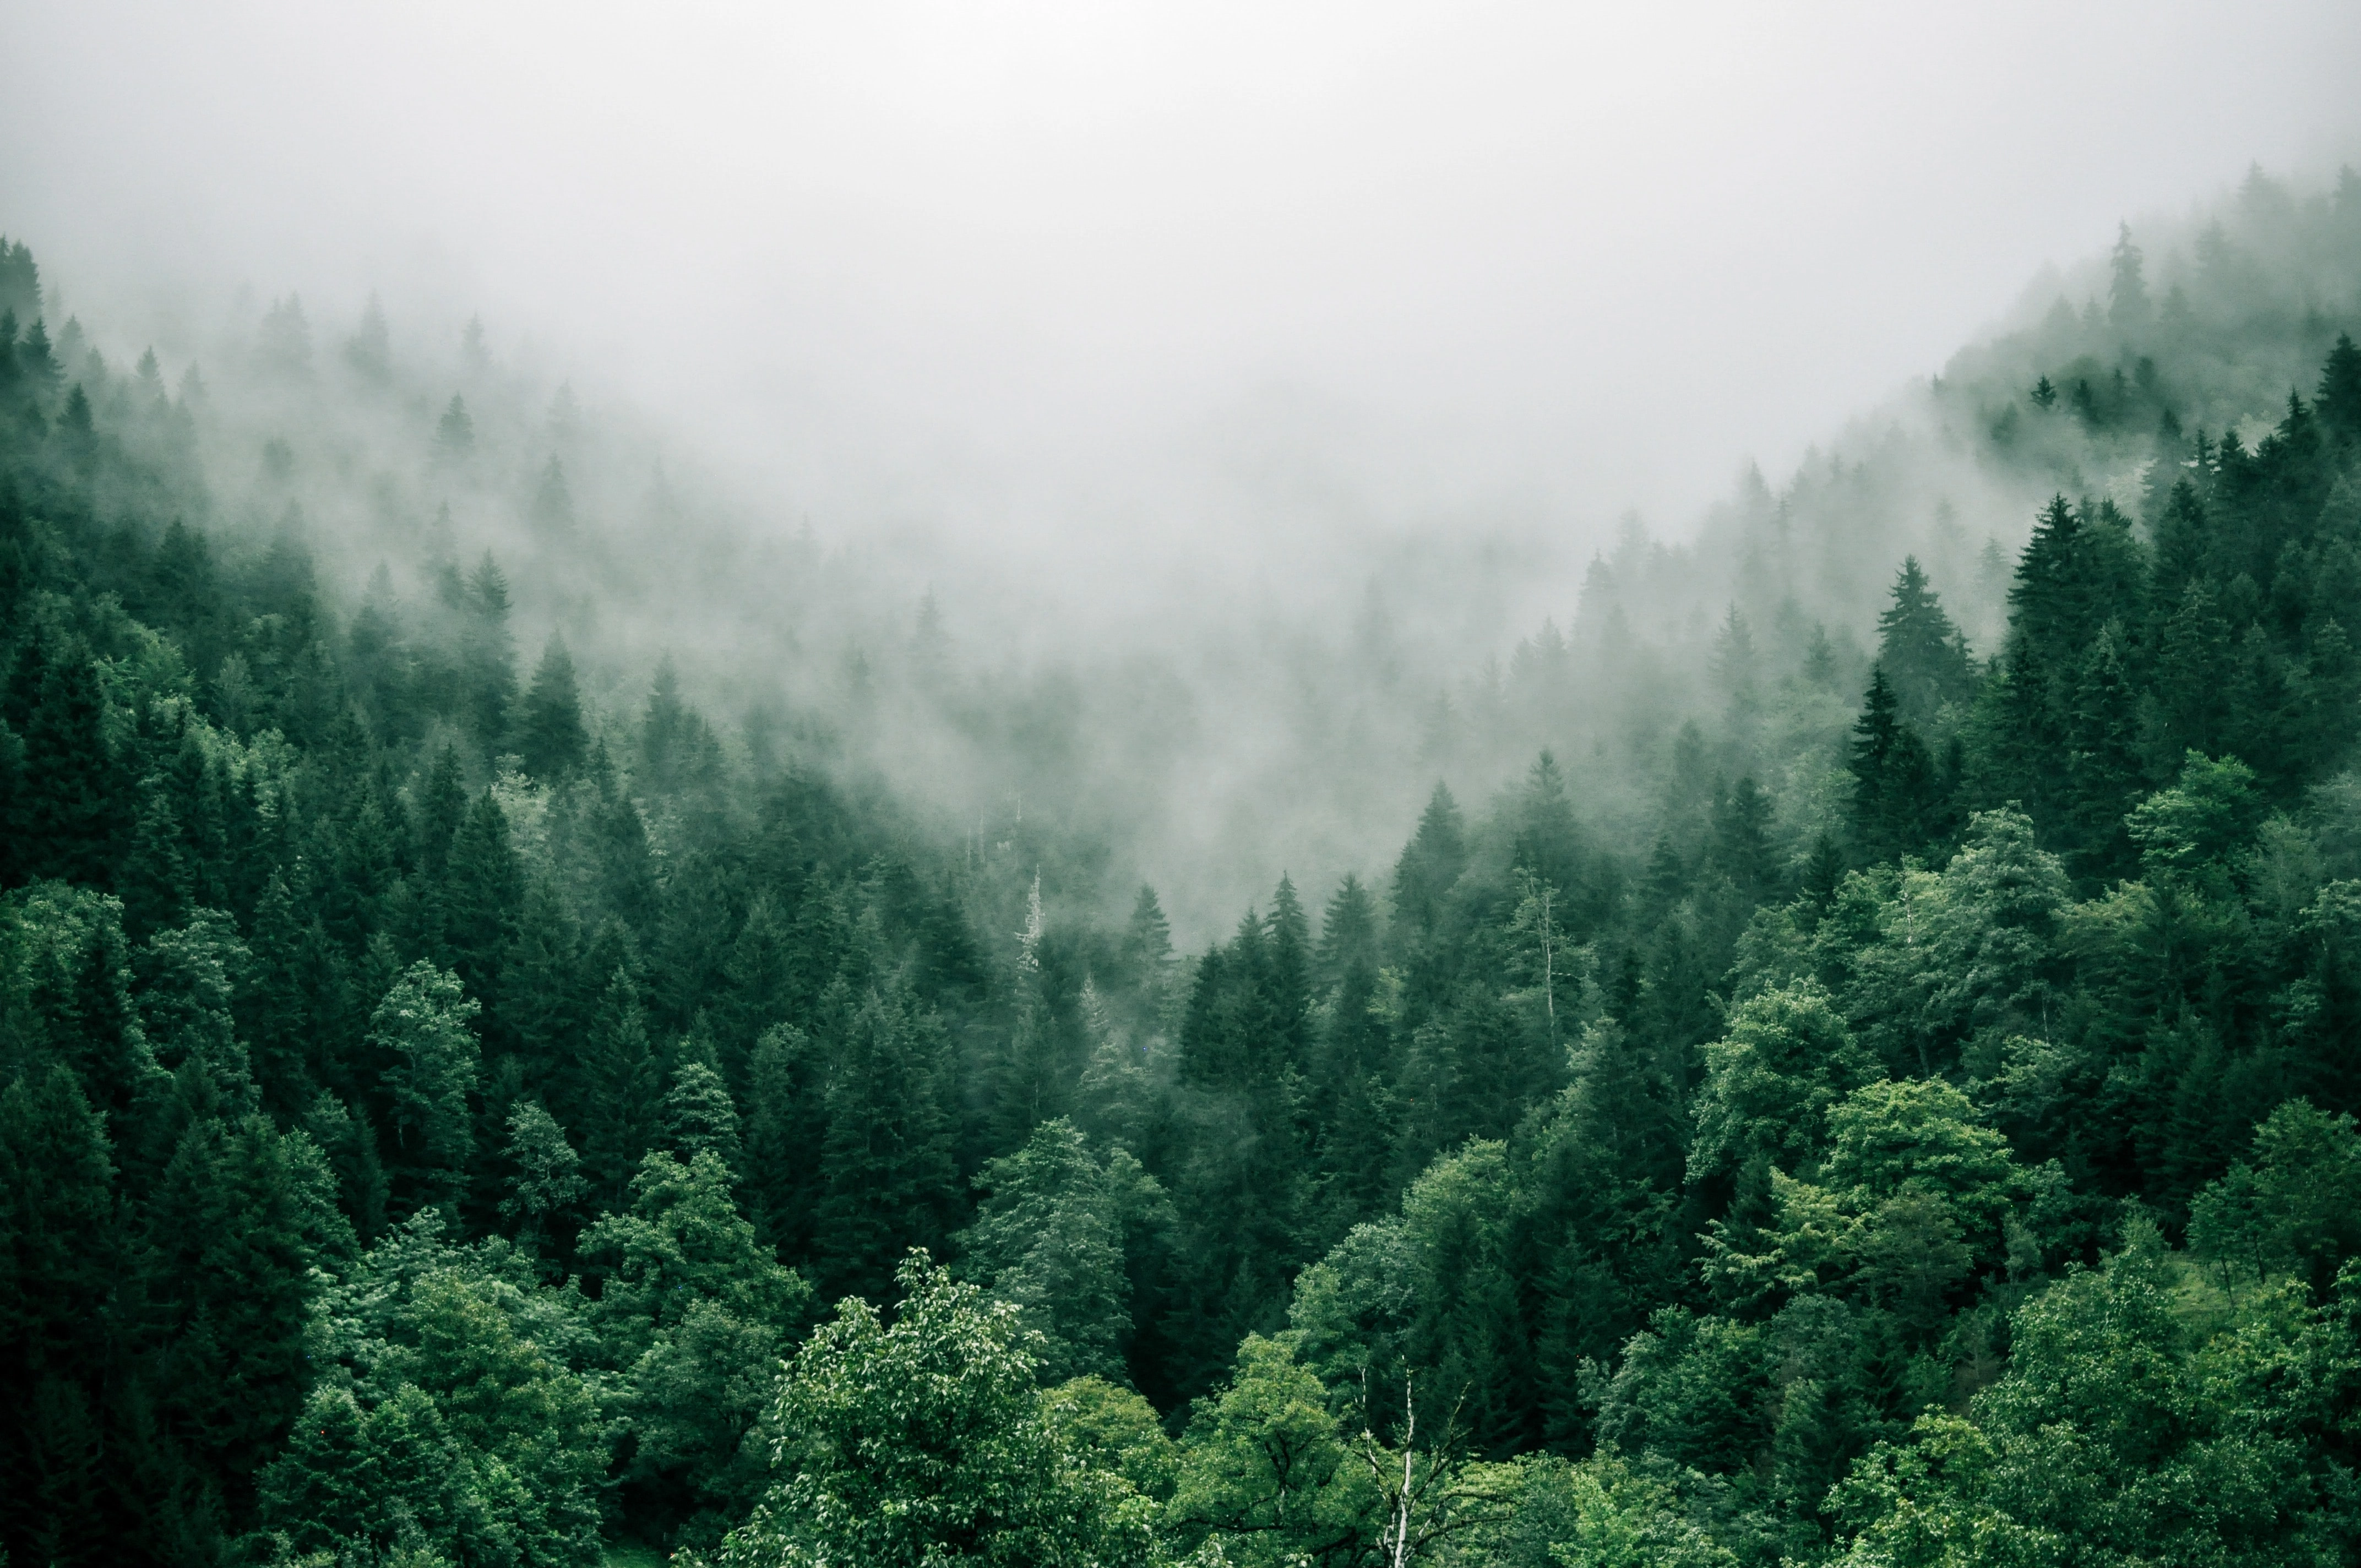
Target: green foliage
{"type": "Point", "coordinates": [927, 1440]}
{"type": "Point", "coordinates": [1054, 1235]}
{"type": "Point", "coordinates": [2113, 1438]}
{"type": "Point", "coordinates": [431, 1101]}
{"type": "Point", "coordinates": [1266, 1466]}
{"type": "Point", "coordinates": [421, 1025]}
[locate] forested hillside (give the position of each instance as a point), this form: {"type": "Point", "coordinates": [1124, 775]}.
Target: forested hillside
{"type": "Point", "coordinates": [1876, 1084]}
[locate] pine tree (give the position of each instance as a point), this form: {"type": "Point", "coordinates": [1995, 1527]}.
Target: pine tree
{"type": "Point", "coordinates": [442, 807]}
{"type": "Point", "coordinates": [2183, 544]}
{"type": "Point", "coordinates": [550, 736]}
{"type": "Point", "coordinates": [2190, 691]}
{"type": "Point", "coordinates": [454, 433]}
{"type": "Point", "coordinates": [154, 879]}
{"type": "Point", "coordinates": [72, 823]}
{"type": "Point", "coordinates": [2104, 763]}
{"type": "Point", "coordinates": [1923, 654]}
{"type": "Point", "coordinates": [615, 1097]}
{"type": "Point", "coordinates": [665, 733]}
{"type": "Point", "coordinates": [785, 1123]}
{"type": "Point", "coordinates": [421, 1026]}
{"type": "Point", "coordinates": [1894, 777]}
{"type": "Point", "coordinates": [2127, 302]}
{"type": "Point", "coordinates": [1144, 955]}
{"type": "Point", "coordinates": [1348, 934]}
{"type": "Point", "coordinates": [1289, 959]}
{"type": "Point", "coordinates": [369, 351]}
{"type": "Point", "coordinates": [1430, 864]}
{"type": "Point", "coordinates": [271, 1012]}
{"type": "Point", "coordinates": [547, 1179]}
{"type": "Point", "coordinates": [541, 982]}
{"type": "Point", "coordinates": [699, 1117]}
{"type": "Point", "coordinates": [889, 1180]}
{"type": "Point", "coordinates": [1549, 841]}
{"type": "Point", "coordinates": [487, 658]}
{"type": "Point", "coordinates": [2338, 402]}
{"type": "Point", "coordinates": [552, 505]}
{"type": "Point", "coordinates": [1742, 839]}
{"type": "Point", "coordinates": [61, 1256]}
{"type": "Point", "coordinates": [483, 893]}
{"type": "Point", "coordinates": [226, 1281]}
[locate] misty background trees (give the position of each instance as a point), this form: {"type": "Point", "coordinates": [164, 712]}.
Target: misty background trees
{"type": "Point", "coordinates": [1844, 1050]}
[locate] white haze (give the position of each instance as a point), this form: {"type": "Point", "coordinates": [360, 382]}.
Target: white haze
{"type": "Point", "coordinates": [1117, 277]}
{"type": "Point", "coordinates": [1177, 326]}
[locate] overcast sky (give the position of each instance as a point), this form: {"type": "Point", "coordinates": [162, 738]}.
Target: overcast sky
{"type": "Point", "coordinates": [1025, 266]}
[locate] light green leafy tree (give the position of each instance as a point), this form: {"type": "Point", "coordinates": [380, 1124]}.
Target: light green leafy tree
{"type": "Point", "coordinates": [926, 1441]}
{"type": "Point", "coordinates": [2117, 1436]}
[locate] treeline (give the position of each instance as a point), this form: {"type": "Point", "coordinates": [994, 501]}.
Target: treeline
{"type": "Point", "coordinates": [434, 1104]}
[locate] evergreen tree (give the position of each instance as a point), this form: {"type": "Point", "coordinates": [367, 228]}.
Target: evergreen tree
{"type": "Point", "coordinates": [369, 351]}
{"type": "Point", "coordinates": [73, 821]}
{"type": "Point", "coordinates": [225, 1287]}
{"type": "Point", "coordinates": [2128, 307]}
{"type": "Point", "coordinates": [487, 658]}
{"type": "Point", "coordinates": [550, 736]}
{"type": "Point", "coordinates": [2338, 402]}
{"type": "Point", "coordinates": [1430, 864]}
{"type": "Point", "coordinates": [61, 1257]}
{"type": "Point", "coordinates": [1894, 794]}
{"type": "Point", "coordinates": [482, 895]}
{"type": "Point", "coordinates": [454, 432]}
{"type": "Point", "coordinates": [1924, 656]}
{"type": "Point", "coordinates": [785, 1123]}
{"type": "Point", "coordinates": [613, 1097]}
{"type": "Point", "coordinates": [548, 1174]}
{"type": "Point", "coordinates": [699, 1117]}
{"type": "Point", "coordinates": [888, 1174]}
{"type": "Point", "coordinates": [1050, 1235]}
{"type": "Point", "coordinates": [552, 505]}
{"type": "Point", "coordinates": [421, 1026]}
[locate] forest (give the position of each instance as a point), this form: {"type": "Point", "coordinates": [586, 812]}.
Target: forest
{"type": "Point", "coordinates": [1860, 1069]}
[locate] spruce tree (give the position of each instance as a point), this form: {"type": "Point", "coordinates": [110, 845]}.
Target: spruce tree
{"type": "Point", "coordinates": [421, 1026]}
{"type": "Point", "coordinates": [1894, 790]}
{"type": "Point", "coordinates": [699, 1117]}
{"type": "Point", "coordinates": [615, 1094]}
{"type": "Point", "coordinates": [889, 1179]}
{"type": "Point", "coordinates": [550, 736]}
{"type": "Point", "coordinates": [2338, 400]}
{"type": "Point", "coordinates": [487, 658]}
{"type": "Point", "coordinates": [552, 505]}
{"type": "Point", "coordinates": [74, 821]}
{"type": "Point", "coordinates": [61, 1259]}
{"type": "Point", "coordinates": [1923, 654]}
{"type": "Point", "coordinates": [1430, 864]}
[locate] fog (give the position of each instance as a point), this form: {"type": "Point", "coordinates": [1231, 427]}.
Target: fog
{"type": "Point", "coordinates": [1019, 268]}
{"type": "Point", "coordinates": [1210, 331]}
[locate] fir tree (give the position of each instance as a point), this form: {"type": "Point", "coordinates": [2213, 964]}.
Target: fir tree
{"type": "Point", "coordinates": [1924, 655]}
{"type": "Point", "coordinates": [421, 1026]}
{"type": "Point", "coordinates": [617, 1089]}
{"type": "Point", "coordinates": [550, 736]}
{"type": "Point", "coordinates": [1894, 777]}
{"type": "Point", "coordinates": [1430, 864]}
{"type": "Point", "coordinates": [454, 432]}
{"type": "Point", "coordinates": [699, 1117]}
{"type": "Point", "coordinates": [2338, 400]}
{"type": "Point", "coordinates": [888, 1176]}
